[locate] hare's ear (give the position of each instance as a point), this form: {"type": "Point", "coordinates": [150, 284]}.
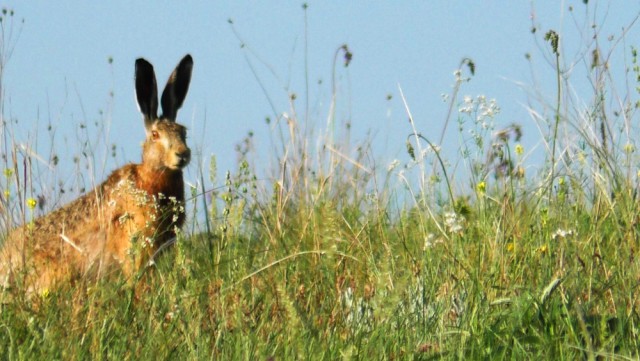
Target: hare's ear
{"type": "Point", "coordinates": [146, 91]}
{"type": "Point", "coordinates": [176, 89]}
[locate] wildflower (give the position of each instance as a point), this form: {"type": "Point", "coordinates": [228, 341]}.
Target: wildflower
{"type": "Point", "coordinates": [510, 247]}
{"type": "Point", "coordinates": [562, 234]}
{"type": "Point", "coordinates": [542, 249]}
{"type": "Point", "coordinates": [519, 149]}
{"type": "Point", "coordinates": [431, 241]}
{"type": "Point", "coordinates": [481, 187]}
{"type": "Point", "coordinates": [31, 203]}
{"type": "Point", "coordinates": [466, 109]}
{"type": "Point", "coordinates": [629, 148]}
{"type": "Point", "coordinates": [467, 106]}
{"type": "Point", "coordinates": [8, 172]}
{"type": "Point", "coordinates": [487, 109]}
{"type": "Point", "coordinates": [147, 242]}
{"type": "Point", "coordinates": [454, 222]}
{"type": "Point", "coordinates": [7, 193]}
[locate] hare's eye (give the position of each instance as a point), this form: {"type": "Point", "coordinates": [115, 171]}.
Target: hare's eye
{"type": "Point", "coordinates": [155, 135]}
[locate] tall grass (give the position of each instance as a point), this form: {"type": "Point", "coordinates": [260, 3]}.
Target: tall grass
{"type": "Point", "coordinates": [332, 256]}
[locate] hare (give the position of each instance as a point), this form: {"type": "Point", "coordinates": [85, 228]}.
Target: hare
{"type": "Point", "coordinates": [125, 220]}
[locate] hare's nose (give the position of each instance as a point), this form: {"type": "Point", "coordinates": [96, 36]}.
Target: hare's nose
{"type": "Point", "coordinates": [184, 155]}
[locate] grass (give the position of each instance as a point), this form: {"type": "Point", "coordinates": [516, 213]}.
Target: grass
{"type": "Point", "coordinates": [334, 258]}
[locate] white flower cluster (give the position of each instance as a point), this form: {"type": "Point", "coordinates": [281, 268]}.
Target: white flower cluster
{"type": "Point", "coordinates": [430, 241]}
{"type": "Point", "coordinates": [454, 222]}
{"type": "Point", "coordinates": [562, 234]}
{"type": "Point", "coordinates": [483, 109]}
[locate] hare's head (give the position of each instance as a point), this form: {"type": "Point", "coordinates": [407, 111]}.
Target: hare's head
{"type": "Point", "coordinates": [165, 146]}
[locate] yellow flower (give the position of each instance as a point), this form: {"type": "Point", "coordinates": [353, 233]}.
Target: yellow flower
{"type": "Point", "coordinates": [481, 187]}
{"type": "Point", "coordinates": [7, 193]}
{"type": "Point", "coordinates": [519, 149]}
{"type": "Point", "coordinates": [629, 148]}
{"type": "Point", "coordinates": [510, 247]}
{"type": "Point", "coordinates": [543, 249]}
{"type": "Point", "coordinates": [8, 172]}
{"type": "Point", "coordinates": [31, 203]}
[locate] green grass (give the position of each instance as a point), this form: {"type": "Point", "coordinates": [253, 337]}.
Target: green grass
{"type": "Point", "coordinates": [334, 258]}
{"type": "Point", "coordinates": [344, 278]}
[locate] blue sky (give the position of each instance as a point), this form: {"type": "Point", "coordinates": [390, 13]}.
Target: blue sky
{"type": "Point", "coordinates": [59, 72]}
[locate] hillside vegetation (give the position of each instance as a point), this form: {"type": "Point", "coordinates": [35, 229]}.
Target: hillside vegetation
{"type": "Point", "coordinates": [333, 255]}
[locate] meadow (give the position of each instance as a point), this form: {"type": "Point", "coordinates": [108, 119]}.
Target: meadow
{"type": "Point", "coordinates": [333, 254]}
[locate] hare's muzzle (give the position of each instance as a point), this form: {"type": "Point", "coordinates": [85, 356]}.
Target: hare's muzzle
{"type": "Point", "coordinates": [183, 157]}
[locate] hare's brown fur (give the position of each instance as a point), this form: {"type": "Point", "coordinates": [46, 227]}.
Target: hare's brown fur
{"type": "Point", "coordinates": [123, 222]}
